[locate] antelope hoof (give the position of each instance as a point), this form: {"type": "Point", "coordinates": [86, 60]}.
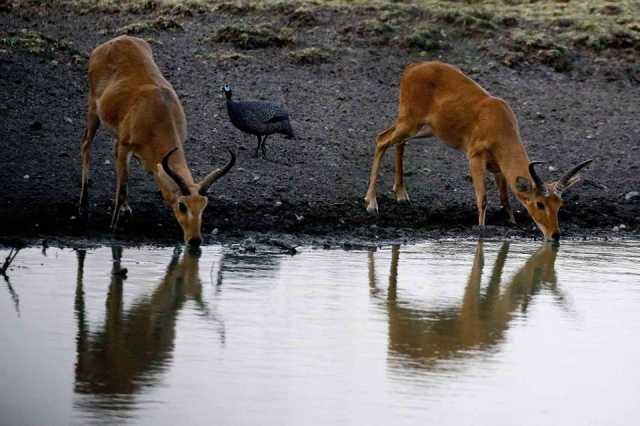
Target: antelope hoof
{"type": "Point", "coordinates": [372, 205]}
{"type": "Point", "coordinates": [83, 213]}
{"type": "Point", "coordinates": [402, 196]}
{"type": "Point", "coordinates": [124, 208]}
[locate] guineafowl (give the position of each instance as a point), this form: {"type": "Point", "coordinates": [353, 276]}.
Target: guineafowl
{"type": "Point", "coordinates": [258, 118]}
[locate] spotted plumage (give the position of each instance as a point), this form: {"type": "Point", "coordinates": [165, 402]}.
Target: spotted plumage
{"type": "Point", "coordinates": [258, 118]}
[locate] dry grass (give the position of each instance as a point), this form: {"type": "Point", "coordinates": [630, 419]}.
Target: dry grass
{"type": "Point", "coordinates": [547, 25]}
{"type": "Point", "coordinates": [41, 45]}
{"type": "Point", "coordinates": [259, 36]}
{"type": "Point", "coordinates": [161, 23]}
{"type": "Point", "coordinates": [311, 55]}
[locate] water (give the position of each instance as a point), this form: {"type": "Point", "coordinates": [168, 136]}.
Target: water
{"type": "Point", "coordinates": [446, 333]}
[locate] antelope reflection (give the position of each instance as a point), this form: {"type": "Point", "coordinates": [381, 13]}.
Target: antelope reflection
{"type": "Point", "coordinates": [423, 337]}
{"type": "Point", "coordinates": [133, 347]}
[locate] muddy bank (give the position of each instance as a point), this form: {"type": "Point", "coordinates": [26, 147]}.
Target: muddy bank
{"type": "Point", "coordinates": [337, 71]}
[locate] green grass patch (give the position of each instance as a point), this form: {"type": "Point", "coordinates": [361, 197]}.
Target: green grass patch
{"type": "Point", "coordinates": [258, 36]}
{"type": "Point", "coordinates": [161, 23]}
{"type": "Point", "coordinates": [41, 45]}
{"type": "Point", "coordinates": [311, 55]}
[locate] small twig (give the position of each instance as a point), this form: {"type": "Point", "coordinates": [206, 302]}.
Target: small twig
{"type": "Point", "coordinates": [12, 292]}
{"type": "Point", "coordinates": [291, 249]}
{"type": "Point", "coordinates": [7, 262]}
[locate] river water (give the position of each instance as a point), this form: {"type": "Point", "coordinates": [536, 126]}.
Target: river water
{"type": "Point", "coordinates": [439, 333]}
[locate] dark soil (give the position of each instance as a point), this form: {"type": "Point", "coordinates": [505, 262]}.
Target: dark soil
{"type": "Point", "coordinates": [313, 184]}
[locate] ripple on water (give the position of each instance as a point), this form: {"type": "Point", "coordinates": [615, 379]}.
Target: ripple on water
{"type": "Point", "coordinates": [443, 332]}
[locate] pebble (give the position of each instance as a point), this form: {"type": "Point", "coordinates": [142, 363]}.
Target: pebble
{"type": "Point", "coordinates": [26, 176]}
{"type": "Point", "coordinates": [631, 195]}
{"type": "Point", "coordinates": [36, 125]}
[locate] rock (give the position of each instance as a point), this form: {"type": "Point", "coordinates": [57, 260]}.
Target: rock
{"type": "Point", "coordinates": [631, 195]}
{"type": "Point", "coordinates": [611, 9]}
{"type": "Point", "coordinates": [36, 125]}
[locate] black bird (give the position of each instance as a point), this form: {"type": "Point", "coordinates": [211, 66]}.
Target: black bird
{"type": "Point", "coordinates": [258, 118]}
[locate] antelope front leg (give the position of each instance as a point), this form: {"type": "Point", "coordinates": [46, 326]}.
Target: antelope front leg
{"type": "Point", "coordinates": [477, 168]}
{"type": "Point", "coordinates": [370, 198]}
{"type": "Point", "coordinates": [402, 195]}
{"type": "Point", "coordinates": [389, 137]}
{"type": "Point", "coordinates": [501, 183]}
{"type": "Point", "coordinates": [122, 176]}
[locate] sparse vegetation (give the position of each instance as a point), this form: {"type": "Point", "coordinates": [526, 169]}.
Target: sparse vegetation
{"type": "Point", "coordinates": [227, 56]}
{"type": "Point", "coordinates": [549, 32]}
{"type": "Point", "coordinates": [425, 39]}
{"type": "Point", "coordinates": [39, 44]}
{"type": "Point", "coordinates": [372, 31]}
{"type": "Point", "coordinates": [311, 55]}
{"type": "Point", "coordinates": [161, 23]}
{"type": "Point", "coordinates": [303, 17]}
{"type": "Point", "coordinates": [253, 36]}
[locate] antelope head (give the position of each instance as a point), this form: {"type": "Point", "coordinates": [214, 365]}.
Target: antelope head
{"type": "Point", "coordinates": [190, 201]}
{"type": "Point", "coordinates": [543, 200]}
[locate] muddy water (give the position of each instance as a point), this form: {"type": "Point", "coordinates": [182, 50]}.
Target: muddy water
{"type": "Point", "coordinates": [446, 333]}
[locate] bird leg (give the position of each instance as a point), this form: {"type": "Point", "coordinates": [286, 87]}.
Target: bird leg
{"type": "Point", "coordinates": [264, 147]}
{"type": "Point", "coordinates": [258, 147]}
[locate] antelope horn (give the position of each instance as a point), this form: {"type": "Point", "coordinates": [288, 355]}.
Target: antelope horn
{"type": "Point", "coordinates": [540, 186]}
{"type": "Point", "coordinates": [565, 180]}
{"type": "Point", "coordinates": [184, 189]}
{"type": "Point", "coordinates": [216, 174]}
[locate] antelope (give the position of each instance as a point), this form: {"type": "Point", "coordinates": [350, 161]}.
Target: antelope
{"type": "Point", "coordinates": [423, 337]}
{"type": "Point", "coordinates": [131, 97]}
{"type": "Point", "coordinates": [127, 351]}
{"type": "Point", "coordinates": [437, 99]}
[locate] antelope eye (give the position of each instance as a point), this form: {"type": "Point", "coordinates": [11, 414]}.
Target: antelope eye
{"type": "Point", "coordinates": [540, 206]}
{"type": "Point", "coordinates": [182, 207]}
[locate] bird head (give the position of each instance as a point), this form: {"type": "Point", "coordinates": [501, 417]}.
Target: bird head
{"type": "Point", "coordinates": [227, 91]}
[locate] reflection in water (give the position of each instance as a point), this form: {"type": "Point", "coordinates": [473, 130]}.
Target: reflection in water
{"type": "Point", "coordinates": [13, 252]}
{"type": "Point", "coordinates": [250, 269]}
{"type": "Point", "coordinates": [12, 293]}
{"type": "Point", "coordinates": [133, 347]}
{"type": "Point", "coordinates": [420, 338]}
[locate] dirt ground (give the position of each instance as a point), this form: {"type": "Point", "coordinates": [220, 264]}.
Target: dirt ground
{"type": "Point", "coordinates": [337, 72]}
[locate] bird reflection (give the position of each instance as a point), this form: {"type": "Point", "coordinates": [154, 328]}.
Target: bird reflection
{"type": "Point", "coordinates": [421, 338]}
{"type": "Point", "coordinates": [251, 268]}
{"type": "Point", "coordinates": [131, 349]}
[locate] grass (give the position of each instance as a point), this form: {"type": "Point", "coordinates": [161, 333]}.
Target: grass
{"type": "Point", "coordinates": [227, 56]}
{"type": "Point", "coordinates": [161, 23]}
{"type": "Point", "coordinates": [258, 36]}
{"type": "Point", "coordinates": [311, 55]}
{"type": "Point", "coordinates": [536, 29]}
{"type": "Point", "coordinates": [39, 44]}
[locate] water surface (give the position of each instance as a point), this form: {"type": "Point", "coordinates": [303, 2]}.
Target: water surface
{"type": "Point", "coordinates": [446, 333]}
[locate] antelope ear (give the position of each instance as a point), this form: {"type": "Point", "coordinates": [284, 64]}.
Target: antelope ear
{"type": "Point", "coordinates": [523, 185]}
{"type": "Point", "coordinates": [572, 181]}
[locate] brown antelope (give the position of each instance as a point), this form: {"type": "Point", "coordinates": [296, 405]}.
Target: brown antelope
{"type": "Point", "coordinates": [437, 99]}
{"type": "Point", "coordinates": [422, 337]}
{"type": "Point", "coordinates": [127, 351]}
{"type": "Point", "coordinates": [130, 96]}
